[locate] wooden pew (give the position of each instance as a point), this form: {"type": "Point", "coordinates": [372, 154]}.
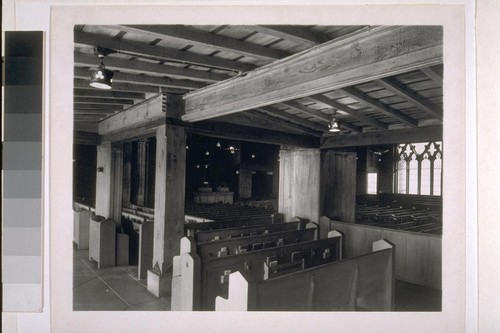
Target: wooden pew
{"type": "Point", "coordinates": [226, 233]}
{"type": "Point", "coordinates": [362, 283]}
{"type": "Point", "coordinates": [192, 228]}
{"type": "Point", "coordinates": [102, 241]}
{"type": "Point", "coordinates": [224, 247]}
{"type": "Point", "coordinates": [81, 223]}
{"type": "Point", "coordinates": [418, 255]}
{"type": "Point", "coordinates": [212, 280]}
{"type": "Point", "coordinates": [79, 206]}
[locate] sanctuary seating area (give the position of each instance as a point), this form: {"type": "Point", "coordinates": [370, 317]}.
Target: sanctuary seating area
{"type": "Point", "coordinates": [415, 213]}
{"type": "Point", "coordinates": [250, 250]}
{"type": "Point", "coordinates": [203, 275]}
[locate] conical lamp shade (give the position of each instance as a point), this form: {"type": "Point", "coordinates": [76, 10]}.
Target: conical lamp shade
{"type": "Point", "coordinates": [101, 78]}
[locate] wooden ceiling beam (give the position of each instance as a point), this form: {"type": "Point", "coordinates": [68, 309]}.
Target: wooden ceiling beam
{"type": "Point", "coordinates": [118, 86]}
{"type": "Point", "coordinates": [86, 138]}
{"type": "Point", "coordinates": [142, 67]}
{"type": "Point", "coordinates": [304, 109]}
{"type": "Point", "coordinates": [410, 96]}
{"type": "Point", "coordinates": [247, 133]}
{"type": "Point", "coordinates": [296, 34]}
{"type": "Point", "coordinates": [247, 119]}
{"type": "Point", "coordinates": [140, 115]}
{"type": "Point", "coordinates": [361, 57]}
{"type": "Point", "coordinates": [160, 52]}
{"type": "Point", "coordinates": [433, 75]}
{"type": "Point", "coordinates": [374, 103]}
{"type": "Point", "coordinates": [83, 73]}
{"type": "Point", "coordinates": [292, 118]}
{"type": "Point", "coordinates": [90, 106]}
{"type": "Point", "coordinates": [116, 101]}
{"type": "Point", "coordinates": [431, 133]}
{"type": "Point", "coordinates": [320, 115]}
{"type": "Point", "coordinates": [92, 115]}
{"type": "Point", "coordinates": [97, 93]}
{"type": "Point", "coordinates": [283, 123]}
{"type": "Point", "coordinates": [350, 111]}
{"type": "Point", "coordinates": [197, 37]}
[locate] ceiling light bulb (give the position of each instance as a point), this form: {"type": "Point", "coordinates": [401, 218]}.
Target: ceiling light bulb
{"type": "Point", "coordinates": [333, 126]}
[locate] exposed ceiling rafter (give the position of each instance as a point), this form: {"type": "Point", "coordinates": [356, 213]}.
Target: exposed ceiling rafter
{"type": "Point", "coordinates": [198, 37]}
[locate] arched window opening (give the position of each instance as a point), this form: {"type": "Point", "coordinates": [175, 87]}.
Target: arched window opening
{"type": "Point", "coordinates": [419, 168]}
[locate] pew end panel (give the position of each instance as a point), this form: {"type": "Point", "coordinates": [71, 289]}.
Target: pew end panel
{"type": "Point", "coordinates": [186, 282]}
{"type": "Point", "coordinates": [102, 241]}
{"type": "Point", "coordinates": [242, 293]}
{"type": "Point", "coordinates": [362, 283]}
{"type": "Point", "coordinates": [214, 271]}
{"type": "Point", "coordinates": [302, 221]}
{"type": "Point", "coordinates": [376, 278]}
{"type": "Point", "coordinates": [81, 228]}
{"type": "Point", "coordinates": [145, 257]}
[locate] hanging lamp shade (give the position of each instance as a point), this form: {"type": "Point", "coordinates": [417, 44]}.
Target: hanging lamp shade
{"type": "Point", "coordinates": [334, 126]}
{"type": "Point", "coordinates": [101, 78]}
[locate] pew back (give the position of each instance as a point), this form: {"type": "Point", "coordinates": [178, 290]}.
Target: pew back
{"type": "Point", "coordinates": [209, 235]}
{"type": "Point", "coordinates": [362, 283]}
{"type": "Point", "coordinates": [192, 228]}
{"type": "Point", "coordinates": [239, 245]}
{"type": "Point", "coordinates": [214, 272]}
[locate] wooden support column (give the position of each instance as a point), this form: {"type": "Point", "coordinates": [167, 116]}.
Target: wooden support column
{"type": "Point", "coordinates": [245, 184]}
{"type": "Point", "coordinates": [141, 165]}
{"type": "Point", "coordinates": [103, 180]}
{"type": "Point", "coordinates": [109, 181]}
{"type": "Point", "coordinates": [169, 205]}
{"type": "Point", "coordinates": [338, 185]}
{"type": "Point", "coordinates": [299, 183]}
{"type": "Point", "coordinates": [116, 199]}
{"type": "Point", "coordinates": [127, 174]}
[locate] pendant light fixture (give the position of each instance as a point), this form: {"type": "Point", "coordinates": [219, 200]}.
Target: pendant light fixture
{"type": "Point", "coordinates": [100, 77]}
{"type": "Point", "coordinates": [334, 125]}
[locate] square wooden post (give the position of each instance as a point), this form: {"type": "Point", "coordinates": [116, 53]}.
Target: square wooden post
{"type": "Point", "coordinates": [299, 183]}
{"type": "Point", "coordinates": [169, 205]}
{"type": "Point", "coordinates": [108, 201]}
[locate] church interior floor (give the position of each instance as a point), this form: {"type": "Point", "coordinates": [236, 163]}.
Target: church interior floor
{"type": "Point", "coordinates": [118, 289]}
{"type": "Point", "coordinates": [110, 289]}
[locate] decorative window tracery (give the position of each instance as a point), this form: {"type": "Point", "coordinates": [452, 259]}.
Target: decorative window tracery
{"type": "Point", "coordinates": [419, 168]}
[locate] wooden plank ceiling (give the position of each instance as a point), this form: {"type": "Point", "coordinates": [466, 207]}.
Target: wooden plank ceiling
{"type": "Point", "coordinates": [152, 59]}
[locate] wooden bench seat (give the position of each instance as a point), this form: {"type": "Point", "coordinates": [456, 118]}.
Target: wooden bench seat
{"type": "Point", "coordinates": [192, 228]}
{"type": "Point", "coordinates": [217, 234]}
{"type": "Point", "coordinates": [365, 282]}
{"type": "Point", "coordinates": [214, 249]}
{"type": "Point", "coordinates": [210, 280]}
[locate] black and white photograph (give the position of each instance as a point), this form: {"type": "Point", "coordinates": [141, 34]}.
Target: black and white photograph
{"type": "Point", "coordinates": [258, 168]}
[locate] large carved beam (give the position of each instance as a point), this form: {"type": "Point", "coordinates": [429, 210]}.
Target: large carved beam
{"type": "Point", "coordinates": [361, 57]}
{"type": "Point", "coordinates": [431, 133]}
